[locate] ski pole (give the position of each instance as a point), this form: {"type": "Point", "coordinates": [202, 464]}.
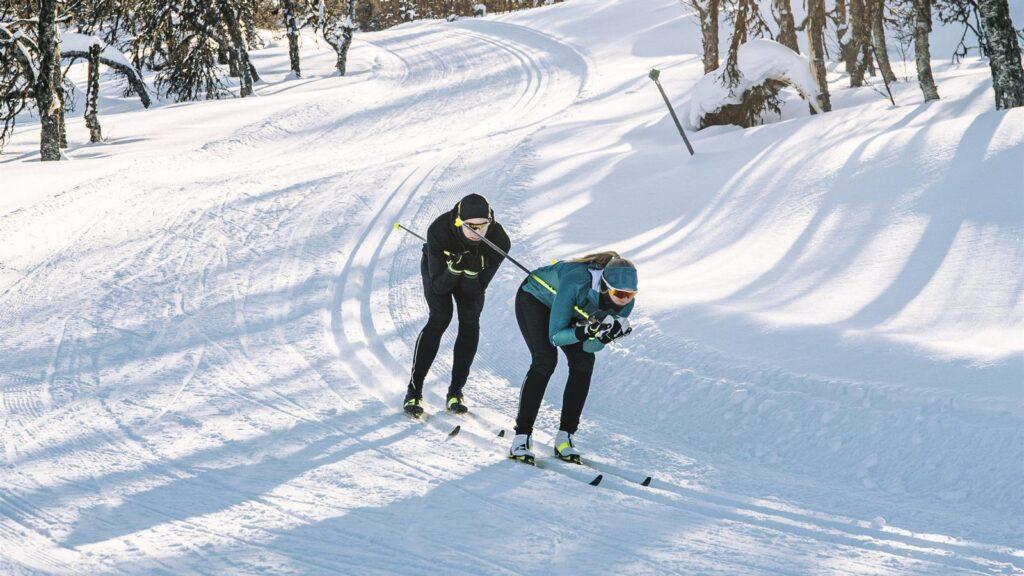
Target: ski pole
{"type": "Point", "coordinates": [398, 225]}
{"type": "Point", "coordinates": [655, 73]}
{"type": "Point", "coordinates": [539, 280]}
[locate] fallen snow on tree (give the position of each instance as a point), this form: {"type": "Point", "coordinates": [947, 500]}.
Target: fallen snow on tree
{"type": "Point", "coordinates": [74, 42]}
{"type": "Point", "coordinates": [758, 61]}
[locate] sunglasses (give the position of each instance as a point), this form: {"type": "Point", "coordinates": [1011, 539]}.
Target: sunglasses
{"type": "Point", "coordinates": [477, 227]}
{"type": "Point", "coordinates": [618, 292]}
{"type": "Point", "coordinates": [622, 294]}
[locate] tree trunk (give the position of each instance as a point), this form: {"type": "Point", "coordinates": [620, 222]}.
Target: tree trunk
{"type": "Point", "coordinates": [787, 28]}
{"type": "Point", "coordinates": [233, 64]}
{"type": "Point", "coordinates": [859, 42]}
{"type": "Point", "coordinates": [347, 31]}
{"type": "Point", "coordinates": [47, 82]}
{"type": "Point", "coordinates": [92, 95]}
{"type": "Point", "coordinates": [816, 46]}
{"type": "Point", "coordinates": [238, 48]}
{"type": "Point", "coordinates": [1004, 54]}
{"type": "Point", "coordinates": [922, 52]}
{"type": "Point", "coordinates": [62, 127]}
{"type": "Point", "coordinates": [292, 27]}
{"type": "Point", "coordinates": [844, 36]}
{"type": "Point", "coordinates": [708, 12]}
{"type": "Point", "coordinates": [732, 74]}
{"type": "Point", "coordinates": [878, 41]}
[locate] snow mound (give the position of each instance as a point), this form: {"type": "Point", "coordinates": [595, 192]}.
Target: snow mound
{"type": "Point", "coordinates": [758, 61]}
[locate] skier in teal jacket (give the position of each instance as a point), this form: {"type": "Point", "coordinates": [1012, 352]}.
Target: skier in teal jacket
{"type": "Point", "coordinates": [579, 306]}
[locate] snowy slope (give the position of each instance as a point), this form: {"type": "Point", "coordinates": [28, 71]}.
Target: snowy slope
{"type": "Point", "coordinates": [207, 321]}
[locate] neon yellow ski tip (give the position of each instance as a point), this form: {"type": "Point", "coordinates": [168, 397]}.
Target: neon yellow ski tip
{"type": "Point", "coordinates": [397, 225]}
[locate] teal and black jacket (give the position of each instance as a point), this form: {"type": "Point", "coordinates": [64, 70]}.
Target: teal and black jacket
{"type": "Point", "coordinates": [577, 285]}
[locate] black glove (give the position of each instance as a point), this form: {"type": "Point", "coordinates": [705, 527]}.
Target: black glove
{"type": "Point", "coordinates": [619, 327]}
{"type": "Point", "coordinates": [586, 329]}
{"type": "Point", "coordinates": [472, 264]}
{"type": "Point", "coordinates": [465, 263]}
{"type": "Point", "coordinates": [455, 263]}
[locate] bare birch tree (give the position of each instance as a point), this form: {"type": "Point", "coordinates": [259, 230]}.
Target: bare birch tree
{"type": "Point", "coordinates": [1004, 53]}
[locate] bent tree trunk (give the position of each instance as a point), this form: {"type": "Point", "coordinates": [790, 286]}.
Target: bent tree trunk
{"type": "Point", "coordinates": [1004, 54]}
{"type": "Point", "coordinates": [138, 87]}
{"type": "Point", "coordinates": [922, 50]}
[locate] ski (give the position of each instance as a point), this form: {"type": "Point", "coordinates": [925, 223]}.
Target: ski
{"type": "Point", "coordinates": [595, 468]}
{"type": "Point", "coordinates": [454, 432]}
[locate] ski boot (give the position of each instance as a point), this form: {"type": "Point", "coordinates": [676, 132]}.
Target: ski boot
{"type": "Point", "coordinates": [565, 449]}
{"type": "Point", "coordinates": [455, 405]}
{"type": "Point", "coordinates": [413, 405]}
{"type": "Point", "coordinates": [520, 449]}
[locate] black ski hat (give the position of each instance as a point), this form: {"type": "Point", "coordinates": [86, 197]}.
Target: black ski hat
{"type": "Point", "coordinates": [473, 206]}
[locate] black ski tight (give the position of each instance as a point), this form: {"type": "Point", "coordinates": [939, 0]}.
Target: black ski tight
{"type": "Point", "coordinates": [533, 316]}
{"type": "Point", "coordinates": [429, 340]}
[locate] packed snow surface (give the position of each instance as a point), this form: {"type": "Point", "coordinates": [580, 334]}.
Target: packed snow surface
{"type": "Point", "coordinates": [207, 320]}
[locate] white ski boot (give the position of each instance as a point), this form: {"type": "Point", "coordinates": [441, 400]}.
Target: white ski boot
{"type": "Point", "coordinates": [520, 449]}
{"type": "Point", "coordinates": [565, 449]}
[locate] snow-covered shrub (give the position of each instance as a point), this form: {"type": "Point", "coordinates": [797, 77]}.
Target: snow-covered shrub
{"type": "Point", "coordinates": [764, 67]}
{"type": "Point", "coordinates": [479, 10]}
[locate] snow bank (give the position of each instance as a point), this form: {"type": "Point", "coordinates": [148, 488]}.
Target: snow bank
{"type": "Point", "coordinates": [758, 60]}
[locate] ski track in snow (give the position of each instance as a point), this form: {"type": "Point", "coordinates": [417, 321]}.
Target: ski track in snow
{"type": "Point", "coordinates": [210, 367]}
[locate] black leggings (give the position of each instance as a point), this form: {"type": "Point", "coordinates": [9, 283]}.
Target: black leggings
{"type": "Point", "coordinates": [533, 318]}
{"type": "Point", "coordinates": [429, 340]}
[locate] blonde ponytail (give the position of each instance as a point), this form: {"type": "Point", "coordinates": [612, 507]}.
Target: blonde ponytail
{"type": "Point", "coordinates": [600, 258]}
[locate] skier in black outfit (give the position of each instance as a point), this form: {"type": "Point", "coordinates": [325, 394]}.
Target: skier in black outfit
{"type": "Point", "coordinates": [456, 266]}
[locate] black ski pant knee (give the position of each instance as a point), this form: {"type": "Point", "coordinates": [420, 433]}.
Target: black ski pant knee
{"type": "Point", "coordinates": [441, 307]}
{"type": "Point", "coordinates": [533, 317]}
